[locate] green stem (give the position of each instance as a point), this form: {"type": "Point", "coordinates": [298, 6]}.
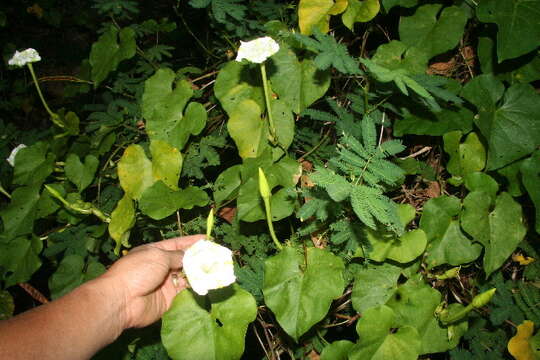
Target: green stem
{"type": "Point", "coordinates": [3, 191]}
{"type": "Point", "coordinates": [31, 68]}
{"type": "Point", "coordinates": [270, 224]}
{"type": "Point", "coordinates": [267, 100]}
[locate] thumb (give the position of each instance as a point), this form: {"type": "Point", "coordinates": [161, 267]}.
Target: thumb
{"type": "Point", "coordinates": [174, 258]}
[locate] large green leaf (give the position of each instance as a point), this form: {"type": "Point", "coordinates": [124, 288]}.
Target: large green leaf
{"type": "Point", "coordinates": [338, 350]}
{"type": "Point", "coordinates": [122, 220]}
{"type": "Point", "coordinates": [298, 83]}
{"type": "Point", "coordinates": [299, 289]}
{"type": "Point", "coordinates": [237, 82]}
{"type": "Point", "coordinates": [314, 14]}
{"type": "Point", "coordinates": [284, 174]}
{"type": "Point", "coordinates": [389, 4]}
{"type": "Point", "coordinates": [72, 272]}
{"type": "Point", "coordinates": [18, 216]}
{"type": "Point", "coordinates": [414, 305]}
{"type": "Point", "coordinates": [247, 129]}
{"type": "Point", "coordinates": [108, 52]}
{"type": "Point", "coordinates": [499, 230]}
{"type": "Point", "coordinates": [19, 258]}
{"type": "Point", "coordinates": [395, 55]}
{"type": "Point", "coordinates": [283, 122]}
{"type": "Point", "coordinates": [518, 23]}
{"type": "Point", "coordinates": [163, 108]}
{"type": "Point", "coordinates": [81, 174]}
{"type": "Point", "coordinates": [381, 337]}
{"type": "Point", "coordinates": [478, 181]}
{"type": "Point", "coordinates": [466, 157]}
{"type": "Point", "coordinates": [388, 245]}
{"type": "Point", "coordinates": [208, 328]}
{"type": "Point", "coordinates": [251, 206]}
{"type": "Point", "coordinates": [33, 164]}
{"type": "Point", "coordinates": [135, 171]}
{"type": "Point", "coordinates": [511, 128]}
{"type": "Point", "coordinates": [435, 124]}
{"type": "Point", "coordinates": [374, 285]}
{"type": "Point", "coordinates": [227, 184]}
{"type": "Point", "coordinates": [431, 30]}
{"type": "Point", "coordinates": [530, 170]}
{"type": "Point", "coordinates": [166, 163]}
{"type": "Point", "coordinates": [159, 201]}
{"type": "Point", "coordinates": [360, 11]}
{"type": "Point", "coordinates": [446, 243]}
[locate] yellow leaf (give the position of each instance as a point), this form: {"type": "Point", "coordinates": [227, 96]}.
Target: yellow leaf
{"type": "Point", "coordinates": [519, 346]}
{"type": "Point", "coordinates": [339, 7]}
{"type": "Point", "coordinates": [522, 260]}
{"type": "Point", "coordinates": [360, 11]}
{"type": "Point", "coordinates": [314, 14]}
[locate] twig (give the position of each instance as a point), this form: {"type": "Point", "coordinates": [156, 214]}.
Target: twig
{"type": "Point", "coordinates": [260, 341]}
{"type": "Point", "coordinates": [419, 152]}
{"type": "Point", "coordinates": [34, 293]}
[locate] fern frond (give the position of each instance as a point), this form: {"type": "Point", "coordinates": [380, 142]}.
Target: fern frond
{"type": "Point", "coordinates": [320, 115]}
{"type": "Point", "coordinates": [370, 203]}
{"type": "Point", "coordinates": [329, 52]}
{"type": "Point", "coordinates": [392, 147]}
{"type": "Point", "coordinates": [369, 134]}
{"type": "Point", "coordinates": [337, 187]}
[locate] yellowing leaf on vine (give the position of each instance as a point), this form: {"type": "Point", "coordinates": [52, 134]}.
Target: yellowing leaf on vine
{"type": "Point", "coordinates": [360, 11]}
{"type": "Point", "coordinates": [522, 260]}
{"type": "Point", "coordinates": [519, 346]}
{"type": "Point", "coordinates": [314, 14]}
{"type": "Point", "coordinates": [339, 7]}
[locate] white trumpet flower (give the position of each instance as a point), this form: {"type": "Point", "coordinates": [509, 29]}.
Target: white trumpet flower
{"type": "Point", "coordinates": [258, 50]}
{"type": "Point", "coordinates": [208, 266]}
{"type": "Point", "coordinates": [24, 57]}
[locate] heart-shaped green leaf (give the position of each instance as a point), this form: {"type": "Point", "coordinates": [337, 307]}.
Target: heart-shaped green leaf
{"type": "Point", "coordinates": [208, 327]}
{"type": "Point", "coordinates": [299, 289]}
{"type": "Point", "coordinates": [381, 337]}
{"type": "Point", "coordinates": [81, 174]}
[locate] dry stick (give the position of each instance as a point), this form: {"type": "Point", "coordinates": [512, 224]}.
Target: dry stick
{"type": "Point", "coordinates": [34, 293]}
{"type": "Point", "coordinates": [260, 341]}
{"type": "Point", "coordinates": [419, 152]}
{"type": "Point", "coordinates": [268, 339]}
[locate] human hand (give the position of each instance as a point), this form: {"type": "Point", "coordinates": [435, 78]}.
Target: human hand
{"type": "Point", "coordinates": [143, 279]}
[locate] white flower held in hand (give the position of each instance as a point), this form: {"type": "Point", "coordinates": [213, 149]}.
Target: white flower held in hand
{"type": "Point", "coordinates": [258, 50]}
{"type": "Point", "coordinates": [11, 157]}
{"type": "Point", "coordinates": [208, 266]}
{"type": "Point", "coordinates": [24, 57]}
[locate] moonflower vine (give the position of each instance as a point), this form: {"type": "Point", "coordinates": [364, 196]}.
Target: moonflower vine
{"type": "Point", "coordinates": [27, 57]}
{"type": "Point", "coordinates": [257, 51]}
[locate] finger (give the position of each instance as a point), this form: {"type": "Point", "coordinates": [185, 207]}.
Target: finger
{"type": "Point", "coordinates": [174, 258]}
{"type": "Point", "coordinates": [178, 243]}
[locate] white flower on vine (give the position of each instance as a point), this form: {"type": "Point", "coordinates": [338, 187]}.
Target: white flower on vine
{"type": "Point", "coordinates": [24, 57]}
{"type": "Point", "coordinates": [258, 50]}
{"type": "Point", "coordinates": [11, 157]}
{"type": "Point", "coordinates": [208, 266]}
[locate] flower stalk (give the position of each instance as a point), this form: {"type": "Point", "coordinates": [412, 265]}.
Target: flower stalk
{"type": "Point", "coordinates": [268, 106]}
{"type": "Point", "coordinates": [264, 189]}
{"type": "Point", "coordinates": [478, 301]}
{"type": "Point", "coordinates": [54, 117]}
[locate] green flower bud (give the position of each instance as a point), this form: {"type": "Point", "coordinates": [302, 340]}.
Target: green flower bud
{"type": "Point", "coordinates": [263, 185]}
{"type": "Point", "coordinates": [483, 298]}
